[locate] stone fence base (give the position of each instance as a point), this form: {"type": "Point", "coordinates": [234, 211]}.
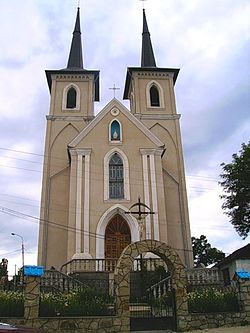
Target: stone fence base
{"type": "Point", "coordinates": [121, 325]}
{"type": "Point", "coordinates": [213, 320]}
{"type": "Point", "coordinates": [80, 325]}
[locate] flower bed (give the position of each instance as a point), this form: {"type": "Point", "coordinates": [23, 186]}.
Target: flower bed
{"type": "Point", "coordinates": [212, 301]}
{"type": "Point", "coordinates": [11, 304]}
{"type": "Point", "coordinates": [77, 303]}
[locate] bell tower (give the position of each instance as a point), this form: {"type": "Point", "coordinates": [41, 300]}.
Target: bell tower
{"type": "Point", "coordinates": [73, 90]}
{"type": "Point", "coordinates": [150, 90]}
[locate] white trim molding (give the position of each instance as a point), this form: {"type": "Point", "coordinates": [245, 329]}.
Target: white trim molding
{"type": "Point", "coordinates": [86, 202]}
{"type": "Point", "coordinates": [64, 99]}
{"type": "Point", "coordinates": [125, 173]}
{"type": "Point", "coordinates": [78, 247]}
{"type": "Point", "coordinates": [154, 197]}
{"type": "Point", "coordinates": [146, 193]}
{"type": "Point", "coordinates": [82, 231]}
{"type": "Point", "coordinates": [161, 95]}
{"type": "Point", "coordinates": [103, 222]}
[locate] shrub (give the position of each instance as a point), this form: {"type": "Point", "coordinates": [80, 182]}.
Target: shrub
{"type": "Point", "coordinates": [11, 304]}
{"type": "Point", "coordinates": [77, 303]}
{"type": "Point", "coordinates": [211, 300]}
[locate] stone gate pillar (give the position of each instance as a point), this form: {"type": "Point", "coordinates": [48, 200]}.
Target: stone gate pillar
{"type": "Point", "coordinates": [244, 296]}
{"type": "Point", "coordinates": [31, 297]}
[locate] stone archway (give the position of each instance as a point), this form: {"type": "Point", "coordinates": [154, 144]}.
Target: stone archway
{"type": "Point", "coordinates": [124, 266]}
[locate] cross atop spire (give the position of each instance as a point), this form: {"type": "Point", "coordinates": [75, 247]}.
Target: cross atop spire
{"type": "Point", "coordinates": [75, 56]}
{"type": "Point", "coordinates": [143, 1]}
{"type": "Point", "coordinates": [114, 88]}
{"type": "Point", "coordinates": [147, 55]}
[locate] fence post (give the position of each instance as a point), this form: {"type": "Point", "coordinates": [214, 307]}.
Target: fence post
{"type": "Point", "coordinates": [244, 296]}
{"type": "Point", "coordinates": [31, 297]}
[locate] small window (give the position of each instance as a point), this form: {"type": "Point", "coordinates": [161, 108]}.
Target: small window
{"type": "Point", "coordinates": [71, 98]}
{"type": "Point", "coordinates": [116, 179]}
{"type": "Point", "coordinates": [115, 131]}
{"type": "Point", "coordinates": [226, 276]}
{"type": "Point", "coordinates": [154, 96]}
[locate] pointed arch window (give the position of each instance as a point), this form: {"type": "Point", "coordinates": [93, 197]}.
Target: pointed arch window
{"type": "Point", "coordinates": [154, 96]}
{"type": "Point", "coordinates": [116, 177]}
{"type": "Point", "coordinates": [71, 98]}
{"type": "Point", "coordinates": [115, 131]}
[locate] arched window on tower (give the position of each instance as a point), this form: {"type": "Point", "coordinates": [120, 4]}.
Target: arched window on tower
{"type": "Point", "coordinates": [154, 96]}
{"type": "Point", "coordinates": [115, 131]}
{"type": "Point", "coordinates": [116, 178]}
{"type": "Point", "coordinates": [71, 98]}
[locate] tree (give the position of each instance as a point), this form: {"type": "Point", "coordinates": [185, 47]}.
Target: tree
{"type": "Point", "coordinates": [204, 253]}
{"type": "Point", "coordinates": [3, 268]}
{"type": "Point", "coordinates": [236, 185]}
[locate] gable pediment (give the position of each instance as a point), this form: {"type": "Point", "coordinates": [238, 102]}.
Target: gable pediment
{"type": "Point", "coordinates": [115, 110]}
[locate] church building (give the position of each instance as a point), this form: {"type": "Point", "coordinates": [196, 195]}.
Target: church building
{"type": "Point", "coordinates": [97, 166]}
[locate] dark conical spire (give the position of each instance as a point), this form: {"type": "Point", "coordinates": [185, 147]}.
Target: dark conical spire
{"type": "Point", "coordinates": [147, 54]}
{"type": "Point", "coordinates": [75, 56]}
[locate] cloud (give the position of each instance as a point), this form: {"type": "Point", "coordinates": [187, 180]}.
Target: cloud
{"type": "Point", "coordinates": [208, 40]}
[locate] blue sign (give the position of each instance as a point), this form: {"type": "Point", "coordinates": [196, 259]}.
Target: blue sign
{"type": "Point", "coordinates": [33, 270]}
{"type": "Point", "coordinates": [243, 275]}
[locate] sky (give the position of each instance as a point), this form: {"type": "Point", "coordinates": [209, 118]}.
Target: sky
{"type": "Point", "coordinates": [207, 39]}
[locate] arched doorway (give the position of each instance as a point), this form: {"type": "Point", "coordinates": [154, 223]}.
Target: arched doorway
{"type": "Point", "coordinates": [117, 237]}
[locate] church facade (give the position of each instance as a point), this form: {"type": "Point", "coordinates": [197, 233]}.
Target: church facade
{"type": "Point", "coordinates": [96, 167]}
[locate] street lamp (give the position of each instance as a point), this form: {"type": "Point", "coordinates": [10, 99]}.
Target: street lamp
{"type": "Point", "coordinates": [13, 234]}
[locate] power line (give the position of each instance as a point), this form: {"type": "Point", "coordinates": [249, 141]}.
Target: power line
{"type": "Point", "coordinates": [93, 178]}
{"type": "Point", "coordinates": [66, 160]}
{"type": "Point", "coordinates": [9, 253]}
{"type": "Point", "coordinates": [54, 224]}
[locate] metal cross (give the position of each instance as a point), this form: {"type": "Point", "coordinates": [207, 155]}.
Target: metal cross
{"type": "Point", "coordinates": [114, 89]}
{"type": "Point", "coordinates": [140, 214]}
{"type": "Point", "coordinates": [79, 3]}
{"type": "Point", "coordinates": [143, 3]}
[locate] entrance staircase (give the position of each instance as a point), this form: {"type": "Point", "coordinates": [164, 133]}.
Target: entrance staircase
{"type": "Point", "coordinates": [56, 281]}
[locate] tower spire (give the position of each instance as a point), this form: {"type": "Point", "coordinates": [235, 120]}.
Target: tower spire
{"type": "Point", "coordinates": [147, 55]}
{"type": "Point", "coordinates": [75, 56]}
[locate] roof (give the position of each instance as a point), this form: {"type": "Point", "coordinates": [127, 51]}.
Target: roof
{"type": "Point", "coordinates": [96, 73]}
{"type": "Point", "coordinates": [130, 71]}
{"type": "Point", "coordinates": [75, 60]}
{"type": "Point", "coordinates": [242, 253]}
{"type": "Point", "coordinates": [147, 53]}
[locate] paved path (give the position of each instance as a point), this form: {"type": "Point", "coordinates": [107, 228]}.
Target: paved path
{"type": "Point", "coordinates": [238, 329]}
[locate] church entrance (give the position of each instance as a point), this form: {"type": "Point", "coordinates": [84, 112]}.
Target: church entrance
{"type": "Point", "coordinates": [117, 237]}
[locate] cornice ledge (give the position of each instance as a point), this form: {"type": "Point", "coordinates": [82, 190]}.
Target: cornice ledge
{"type": "Point", "coordinates": [157, 116]}
{"type": "Point", "coordinates": [80, 151]}
{"type": "Point", "coordinates": [69, 118]}
{"type": "Point", "coordinates": [151, 151]}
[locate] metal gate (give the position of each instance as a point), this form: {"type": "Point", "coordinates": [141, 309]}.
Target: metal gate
{"type": "Point", "coordinates": [152, 304]}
